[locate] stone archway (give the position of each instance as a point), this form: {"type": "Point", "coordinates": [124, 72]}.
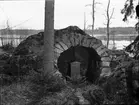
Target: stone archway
{"type": "Point", "coordinates": [78, 37]}
{"type": "Point", "coordinates": [80, 60]}
{"type": "Point", "coordinates": [32, 49]}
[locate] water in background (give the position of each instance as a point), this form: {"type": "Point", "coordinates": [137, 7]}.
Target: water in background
{"type": "Point", "coordinates": [119, 44]}
{"type": "Point", "coordinates": [16, 39]}
{"type": "Point", "coordinates": [121, 41]}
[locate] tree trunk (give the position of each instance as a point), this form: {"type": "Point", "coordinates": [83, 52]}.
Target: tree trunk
{"type": "Point", "coordinates": [93, 17]}
{"type": "Point", "coordinates": [108, 34]}
{"type": "Point", "coordinates": [113, 41]}
{"type": "Point", "coordinates": [49, 37]}
{"type": "Point", "coordinates": [84, 22]}
{"type": "Point", "coordinates": [108, 23]}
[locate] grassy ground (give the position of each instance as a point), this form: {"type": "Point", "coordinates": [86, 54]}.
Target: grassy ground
{"type": "Point", "coordinates": [28, 90]}
{"type": "Point", "coordinates": [37, 89]}
{"type": "Point", "coordinates": [45, 90]}
{"type": "Point", "coordinates": [52, 90]}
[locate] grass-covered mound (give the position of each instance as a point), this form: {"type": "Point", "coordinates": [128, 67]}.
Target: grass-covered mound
{"type": "Point", "coordinates": [37, 89]}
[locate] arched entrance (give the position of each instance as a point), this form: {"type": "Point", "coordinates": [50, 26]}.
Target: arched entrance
{"type": "Point", "coordinates": [77, 37]}
{"type": "Point", "coordinates": [84, 60]}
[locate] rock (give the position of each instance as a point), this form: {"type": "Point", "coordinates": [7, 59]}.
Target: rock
{"type": "Point", "coordinates": [94, 94]}
{"type": "Point", "coordinates": [5, 56]}
{"type": "Point", "coordinates": [82, 100]}
{"type": "Point", "coordinates": [28, 55]}
{"type": "Point", "coordinates": [3, 60]}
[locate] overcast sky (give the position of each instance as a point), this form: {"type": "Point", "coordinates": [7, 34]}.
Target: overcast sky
{"type": "Point", "coordinates": [30, 13]}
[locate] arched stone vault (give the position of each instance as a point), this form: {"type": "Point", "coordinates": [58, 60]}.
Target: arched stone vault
{"type": "Point", "coordinates": [32, 49]}
{"type": "Point", "coordinates": [67, 41]}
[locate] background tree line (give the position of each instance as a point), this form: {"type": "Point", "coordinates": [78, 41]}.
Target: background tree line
{"type": "Point", "coordinates": [117, 30]}
{"type": "Point", "coordinates": [19, 31]}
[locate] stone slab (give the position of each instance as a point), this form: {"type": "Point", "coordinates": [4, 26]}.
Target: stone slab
{"type": "Point", "coordinates": [58, 50]}
{"type": "Point", "coordinates": [59, 47]}
{"type": "Point", "coordinates": [77, 41]}
{"type": "Point", "coordinates": [105, 64]}
{"type": "Point", "coordinates": [72, 40]}
{"type": "Point", "coordinates": [89, 40]}
{"type": "Point", "coordinates": [82, 40]}
{"type": "Point", "coordinates": [100, 48]}
{"type": "Point", "coordinates": [103, 52]}
{"type": "Point", "coordinates": [93, 42]}
{"type": "Point", "coordinates": [105, 72]}
{"type": "Point", "coordinates": [66, 41]}
{"type": "Point", "coordinates": [75, 69]}
{"type": "Point", "coordinates": [63, 45]}
{"type": "Point", "coordinates": [95, 46]}
{"type": "Point", "coordinates": [107, 59]}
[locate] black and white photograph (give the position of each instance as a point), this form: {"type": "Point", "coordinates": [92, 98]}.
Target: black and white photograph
{"type": "Point", "coordinates": [69, 52]}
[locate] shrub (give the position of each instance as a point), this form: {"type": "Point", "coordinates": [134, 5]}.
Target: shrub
{"type": "Point", "coordinates": [48, 81]}
{"type": "Point", "coordinates": [6, 80]}
{"type": "Point", "coordinates": [8, 47]}
{"type": "Point", "coordinates": [44, 85]}
{"type": "Point", "coordinates": [119, 86]}
{"type": "Point", "coordinates": [14, 94]}
{"type": "Point", "coordinates": [29, 90]}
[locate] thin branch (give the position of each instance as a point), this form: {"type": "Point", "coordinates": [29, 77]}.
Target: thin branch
{"type": "Point", "coordinates": [108, 9]}
{"type": "Point", "coordinates": [104, 16]}
{"type": "Point", "coordinates": [92, 4]}
{"type": "Point", "coordinates": [104, 23]}
{"type": "Point", "coordinates": [88, 5]}
{"type": "Point", "coordinates": [112, 13]}
{"type": "Point", "coordinates": [98, 3]}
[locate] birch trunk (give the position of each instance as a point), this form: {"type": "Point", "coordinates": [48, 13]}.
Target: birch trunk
{"type": "Point", "coordinates": [49, 37]}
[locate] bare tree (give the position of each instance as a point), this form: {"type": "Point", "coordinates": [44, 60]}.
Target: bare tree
{"type": "Point", "coordinates": [93, 14]}
{"type": "Point", "coordinates": [9, 31]}
{"type": "Point", "coordinates": [108, 18]}
{"type": "Point", "coordinates": [84, 22]}
{"type": "Point", "coordinates": [2, 41]}
{"type": "Point", "coordinates": [113, 32]}
{"type": "Point", "coordinates": [49, 37]}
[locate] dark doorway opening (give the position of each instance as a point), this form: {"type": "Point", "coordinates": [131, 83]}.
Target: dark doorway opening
{"type": "Point", "coordinates": [89, 62]}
